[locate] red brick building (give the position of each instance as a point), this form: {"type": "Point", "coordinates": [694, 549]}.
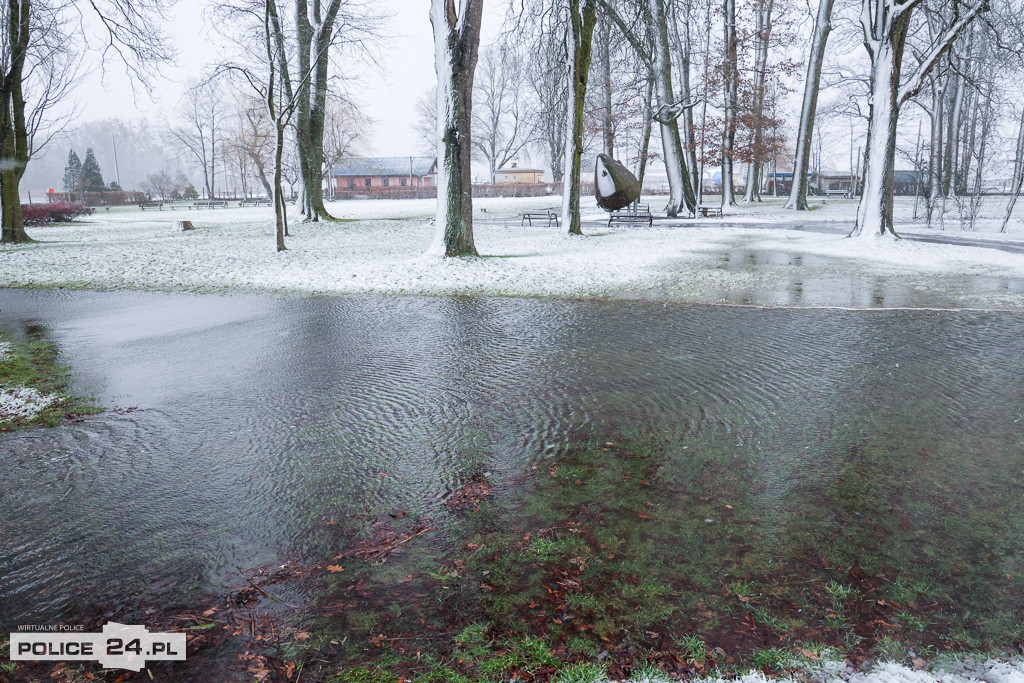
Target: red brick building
{"type": "Point", "coordinates": [361, 173]}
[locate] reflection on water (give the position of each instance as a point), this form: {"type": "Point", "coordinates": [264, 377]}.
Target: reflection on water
{"type": "Point", "coordinates": [885, 438]}
{"type": "Point", "coordinates": [785, 279]}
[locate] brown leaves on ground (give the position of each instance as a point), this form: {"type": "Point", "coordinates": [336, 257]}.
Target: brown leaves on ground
{"type": "Point", "coordinates": [384, 541]}
{"type": "Point", "coordinates": [468, 497]}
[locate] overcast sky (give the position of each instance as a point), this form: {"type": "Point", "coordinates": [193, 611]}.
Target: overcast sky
{"type": "Point", "coordinates": [389, 100]}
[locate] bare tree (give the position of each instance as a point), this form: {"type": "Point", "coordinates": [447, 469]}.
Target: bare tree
{"type": "Point", "coordinates": [344, 128]}
{"type": "Point", "coordinates": [37, 58]}
{"type": "Point", "coordinates": [201, 125]}
{"type": "Point", "coordinates": [1017, 181]}
{"type": "Point", "coordinates": [730, 96]}
{"type": "Point", "coordinates": [812, 84]}
{"type": "Point", "coordinates": [582, 19]}
{"type": "Point", "coordinates": [252, 139]}
{"type": "Point", "coordinates": [320, 26]}
{"type": "Point", "coordinates": [762, 40]}
{"type": "Point", "coordinates": [267, 73]}
{"type": "Point", "coordinates": [425, 123]}
{"type": "Point", "coordinates": [164, 185]}
{"type": "Point", "coordinates": [502, 126]}
{"type": "Point", "coordinates": [456, 25]}
{"type": "Point", "coordinates": [886, 24]}
{"type": "Point", "coordinates": [548, 81]}
{"type": "Point", "coordinates": [653, 46]}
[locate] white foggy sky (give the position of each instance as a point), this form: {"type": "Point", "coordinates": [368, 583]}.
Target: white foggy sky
{"type": "Point", "coordinates": [389, 100]}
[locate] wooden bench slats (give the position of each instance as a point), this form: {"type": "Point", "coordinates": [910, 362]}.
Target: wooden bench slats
{"type": "Point", "coordinates": [545, 214]}
{"type": "Point", "coordinates": [640, 213]}
{"type": "Point", "coordinates": [709, 211]}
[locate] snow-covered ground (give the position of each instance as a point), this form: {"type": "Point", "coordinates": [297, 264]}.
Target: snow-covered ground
{"type": "Point", "coordinates": [22, 403]}
{"type": "Point", "coordinates": [379, 249]}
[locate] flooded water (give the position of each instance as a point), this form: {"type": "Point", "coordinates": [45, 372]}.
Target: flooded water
{"type": "Point", "coordinates": [245, 431]}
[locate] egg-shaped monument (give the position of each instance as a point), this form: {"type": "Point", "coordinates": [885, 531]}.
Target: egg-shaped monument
{"type": "Point", "coordinates": [614, 185]}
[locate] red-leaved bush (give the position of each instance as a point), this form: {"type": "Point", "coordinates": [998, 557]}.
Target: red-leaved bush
{"type": "Point", "coordinates": [54, 212]}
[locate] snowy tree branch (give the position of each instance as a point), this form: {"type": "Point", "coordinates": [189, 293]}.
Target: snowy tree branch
{"type": "Point", "coordinates": [939, 48]}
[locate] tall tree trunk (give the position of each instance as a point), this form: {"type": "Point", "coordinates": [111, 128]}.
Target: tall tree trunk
{"type": "Point", "coordinates": [315, 32]}
{"type": "Point", "coordinates": [605, 61]}
{"type": "Point", "coordinates": [582, 19]}
{"type": "Point", "coordinates": [935, 152]}
{"type": "Point", "coordinates": [874, 214]}
{"type": "Point", "coordinates": [683, 49]}
{"type": "Point", "coordinates": [752, 192]}
{"type": "Point", "coordinates": [456, 48]}
{"type": "Point", "coordinates": [966, 155]}
{"type": "Point", "coordinates": [681, 195]}
{"type": "Point", "coordinates": [730, 91]}
{"type": "Point", "coordinates": [1018, 174]}
{"type": "Point", "coordinates": [280, 206]}
{"type": "Point", "coordinates": [13, 130]}
{"type": "Point", "coordinates": [645, 132]}
{"type": "Point", "coordinates": [885, 25]}
{"type": "Point", "coordinates": [949, 152]}
{"type": "Point", "coordinates": [812, 82]}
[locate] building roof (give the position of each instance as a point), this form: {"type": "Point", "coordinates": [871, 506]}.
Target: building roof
{"type": "Point", "coordinates": [516, 169]}
{"type": "Point", "coordinates": [385, 166]}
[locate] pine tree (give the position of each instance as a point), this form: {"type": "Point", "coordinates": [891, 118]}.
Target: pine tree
{"type": "Point", "coordinates": [73, 172]}
{"type": "Point", "coordinates": [92, 179]}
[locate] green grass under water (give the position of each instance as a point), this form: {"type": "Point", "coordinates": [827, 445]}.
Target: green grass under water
{"type": "Point", "coordinates": [33, 361]}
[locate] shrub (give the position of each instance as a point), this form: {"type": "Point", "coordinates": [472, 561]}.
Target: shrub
{"type": "Point", "coordinates": [53, 212]}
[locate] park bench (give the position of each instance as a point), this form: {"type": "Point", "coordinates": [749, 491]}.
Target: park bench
{"type": "Point", "coordinates": [548, 215]}
{"type": "Point", "coordinates": [151, 205]}
{"type": "Point", "coordinates": [210, 204]}
{"type": "Point", "coordinates": [709, 211]}
{"type": "Point", "coordinates": [634, 213]}
{"type": "Point", "coordinates": [837, 194]}
{"type": "Point", "coordinates": [258, 201]}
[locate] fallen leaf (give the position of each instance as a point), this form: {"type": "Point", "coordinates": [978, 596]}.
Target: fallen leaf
{"type": "Point", "coordinates": [335, 568]}
{"type": "Point", "coordinates": [301, 635]}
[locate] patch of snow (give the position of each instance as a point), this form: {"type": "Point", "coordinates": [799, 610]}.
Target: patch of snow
{"type": "Point", "coordinates": [23, 403]}
{"type": "Point", "coordinates": [5, 349]}
{"type": "Point", "coordinates": [380, 249]}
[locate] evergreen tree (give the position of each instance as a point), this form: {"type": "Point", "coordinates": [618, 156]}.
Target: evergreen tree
{"type": "Point", "coordinates": [73, 172]}
{"type": "Point", "coordinates": [92, 179]}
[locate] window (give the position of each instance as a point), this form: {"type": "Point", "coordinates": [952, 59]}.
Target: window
{"type": "Point", "coordinates": [351, 184]}
{"type": "Point", "coordinates": [404, 182]}
{"type": "Point", "coordinates": [367, 182]}
{"type": "Point", "coordinates": [387, 182]}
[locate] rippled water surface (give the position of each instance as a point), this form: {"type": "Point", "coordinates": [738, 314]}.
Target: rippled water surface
{"type": "Point", "coordinates": [253, 422]}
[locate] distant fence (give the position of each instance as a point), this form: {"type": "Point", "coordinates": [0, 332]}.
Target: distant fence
{"type": "Point", "coordinates": [479, 190]}
{"type": "Point", "coordinates": [113, 198]}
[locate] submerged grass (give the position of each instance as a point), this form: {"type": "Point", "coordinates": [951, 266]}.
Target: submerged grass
{"type": "Point", "coordinates": [634, 551]}
{"type": "Point", "coordinates": [33, 361]}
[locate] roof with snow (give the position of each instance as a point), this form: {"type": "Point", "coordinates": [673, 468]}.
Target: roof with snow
{"type": "Point", "coordinates": [385, 166]}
